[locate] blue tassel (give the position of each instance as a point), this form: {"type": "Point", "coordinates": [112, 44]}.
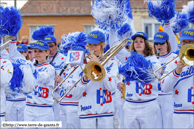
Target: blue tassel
{"type": "Point", "coordinates": [179, 22]}
{"type": "Point", "coordinates": [125, 31]}
{"type": "Point", "coordinates": [16, 81]}
{"type": "Point", "coordinates": [137, 68]}
{"type": "Point", "coordinates": [42, 32]}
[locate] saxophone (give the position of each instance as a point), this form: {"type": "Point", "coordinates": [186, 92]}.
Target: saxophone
{"type": "Point", "coordinates": [123, 89]}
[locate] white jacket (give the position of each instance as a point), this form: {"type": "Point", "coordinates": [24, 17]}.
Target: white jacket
{"type": "Point", "coordinates": [6, 75]}
{"type": "Point", "coordinates": [95, 99]}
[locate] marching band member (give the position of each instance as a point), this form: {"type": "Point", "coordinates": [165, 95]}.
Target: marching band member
{"type": "Point", "coordinates": [69, 105]}
{"type": "Point", "coordinates": [39, 102]}
{"type": "Point", "coordinates": [6, 75]}
{"type": "Point", "coordinates": [57, 60]}
{"type": "Point", "coordinates": [16, 102]}
{"type": "Point", "coordinates": [96, 108]}
{"type": "Point", "coordinates": [140, 96]}
{"type": "Point", "coordinates": [180, 83]}
{"type": "Point", "coordinates": [162, 47]}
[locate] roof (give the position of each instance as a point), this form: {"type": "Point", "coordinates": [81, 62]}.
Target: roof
{"type": "Point", "coordinates": [75, 7]}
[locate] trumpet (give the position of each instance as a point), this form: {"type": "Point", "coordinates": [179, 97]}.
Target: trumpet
{"type": "Point", "coordinates": [6, 44]}
{"type": "Point", "coordinates": [94, 70]}
{"type": "Point", "coordinates": [186, 54]}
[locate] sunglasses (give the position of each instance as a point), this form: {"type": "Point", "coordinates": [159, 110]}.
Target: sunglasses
{"type": "Point", "coordinates": [159, 43]}
{"type": "Point", "coordinates": [24, 52]}
{"type": "Point", "coordinates": [29, 52]}
{"type": "Point", "coordinates": [51, 45]}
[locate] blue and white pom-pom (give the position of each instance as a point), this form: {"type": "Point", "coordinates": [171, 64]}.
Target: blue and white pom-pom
{"type": "Point", "coordinates": [74, 41]}
{"type": "Point", "coordinates": [23, 79]}
{"type": "Point", "coordinates": [109, 14]}
{"type": "Point", "coordinates": [189, 10]}
{"type": "Point", "coordinates": [163, 10]}
{"type": "Point", "coordinates": [42, 32]}
{"type": "Point", "coordinates": [125, 32]}
{"type": "Point", "coordinates": [10, 21]}
{"type": "Point", "coordinates": [137, 68]}
{"type": "Point", "coordinates": [179, 22]}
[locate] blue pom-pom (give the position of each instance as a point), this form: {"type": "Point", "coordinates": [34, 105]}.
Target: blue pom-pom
{"type": "Point", "coordinates": [179, 22]}
{"type": "Point", "coordinates": [137, 68]}
{"type": "Point", "coordinates": [16, 82]}
{"type": "Point", "coordinates": [125, 31]}
{"type": "Point", "coordinates": [42, 32]}
{"type": "Point", "coordinates": [191, 15]}
{"type": "Point", "coordinates": [10, 21]}
{"type": "Point", "coordinates": [163, 10]}
{"type": "Point", "coordinates": [74, 41]}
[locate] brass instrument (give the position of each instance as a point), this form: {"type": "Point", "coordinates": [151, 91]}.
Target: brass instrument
{"type": "Point", "coordinates": [6, 44]}
{"type": "Point", "coordinates": [94, 70]}
{"type": "Point", "coordinates": [186, 54]}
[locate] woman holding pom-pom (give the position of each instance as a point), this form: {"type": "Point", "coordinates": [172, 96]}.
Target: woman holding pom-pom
{"type": "Point", "coordinates": [39, 102]}
{"type": "Point", "coordinates": [140, 108]}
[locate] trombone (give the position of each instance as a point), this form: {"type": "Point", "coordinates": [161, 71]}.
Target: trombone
{"type": "Point", "coordinates": [186, 54]}
{"type": "Point", "coordinates": [94, 70]}
{"type": "Point", "coordinates": [6, 44]}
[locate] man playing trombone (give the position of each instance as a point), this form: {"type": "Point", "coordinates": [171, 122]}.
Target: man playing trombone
{"type": "Point", "coordinates": [181, 82]}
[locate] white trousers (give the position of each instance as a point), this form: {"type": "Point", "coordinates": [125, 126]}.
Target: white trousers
{"type": "Point", "coordinates": [56, 110]}
{"type": "Point", "coordinates": [183, 121]}
{"type": "Point", "coordinates": [15, 110]}
{"type": "Point", "coordinates": [165, 113]}
{"type": "Point", "coordinates": [140, 115]}
{"type": "Point", "coordinates": [69, 117]}
{"type": "Point", "coordinates": [32, 113]}
{"type": "Point", "coordinates": [2, 119]}
{"type": "Point", "coordinates": [119, 113]}
{"type": "Point", "coordinates": [97, 123]}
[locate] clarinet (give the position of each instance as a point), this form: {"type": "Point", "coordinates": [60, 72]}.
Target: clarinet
{"type": "Point", "coordinates": [63, 69]}
{"type": "Point", "coordinates": [158, 53]}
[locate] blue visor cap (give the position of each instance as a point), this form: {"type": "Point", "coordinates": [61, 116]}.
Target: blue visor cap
{"type": "Point", "coordinates": [160, 37]}
{"type": "Point", "coordinates": [22, 47]}
{"type": "Point", "coordinates": [42, 45]}
{"type": "Point", "coordinates": [95, 37]}
{"type": "Point", "coordinates": [50, 39]}
{"type": "Point", "coordinates": [129, 41]}
{"type": "Point", "coordinates": [187, 34]}
{"type": "Point", "coordinates": [140, 34]}
{"type": "Point", "coordinates": [30, 46]}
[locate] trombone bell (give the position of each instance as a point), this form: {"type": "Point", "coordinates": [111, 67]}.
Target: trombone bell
{"type": "Point", "coordinates": [186, 54]}
{"type": "Point", "coordinates": [94, 71]}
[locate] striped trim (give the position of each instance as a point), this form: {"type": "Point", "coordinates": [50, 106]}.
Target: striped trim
{"type": "Point", "coordinates": [140, 101]}
{"type": "Point", "coordinates": [39, 65]}
{"type": "Point", "coordinates": [191, 111]}
{"type": "Point", "coordinates": [13, 41]}
{"type": "Point", "coordinates": [22, 99]}
{"type": "Point", "coordinates": [96, 115]}
{"type": "Point", "coordinates": [176, 74]}
{"type": "Point", "coordinates": [167, 23]}
{"type": "Point", "coordinates": [164, 56]}
{"type": "Point", "coordinates": [2, 114]}
{"type": "Point", "coordinates": [164, 94]}
{"type": "Point", "coordinates": [83, 81]}
{"type": "Point", "coordinates": [69, 103]}
{"type": "Point", "coordinates": [37, 105]}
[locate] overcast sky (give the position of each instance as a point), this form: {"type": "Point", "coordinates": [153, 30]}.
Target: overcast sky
{"type": "Point", "coordinates": [19, 4]}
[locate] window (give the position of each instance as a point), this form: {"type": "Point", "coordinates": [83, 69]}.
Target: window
{"type": "Point", "coordinates": [32, 29]}
{"type": "Point", "coordinates": [88, 28]}
{"type": "Point", "coordinates": [150, 27]}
